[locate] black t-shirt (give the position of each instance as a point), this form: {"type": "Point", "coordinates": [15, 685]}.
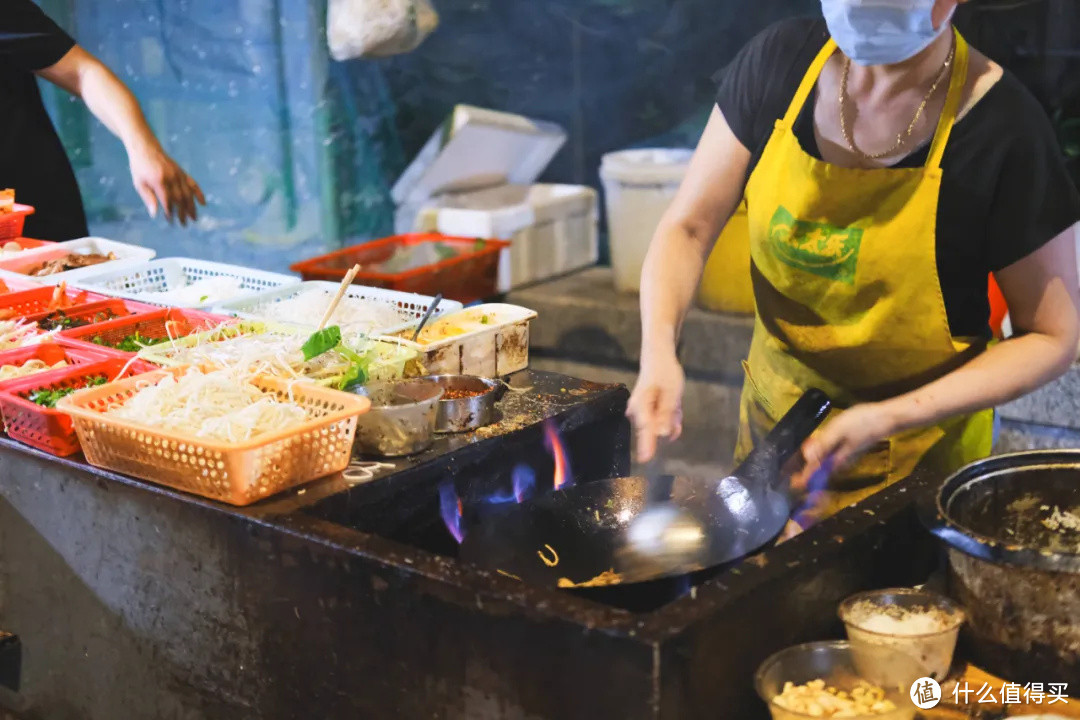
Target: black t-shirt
{"type": "Point", "coordinates": [32, 160]}
{"type": "Point", "coordinates": [1005, 188]}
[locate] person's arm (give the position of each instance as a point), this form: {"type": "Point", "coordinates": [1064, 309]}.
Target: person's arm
{"type": "Point", "coordinates": [1041, 291]}
{"type": "Point", "coordinates": [708, 196]}
{"type": "Point", "coordinates": [156, 176]}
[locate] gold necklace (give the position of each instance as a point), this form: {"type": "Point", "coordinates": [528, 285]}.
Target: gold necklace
{"type": "Point", "coordinates": [901, 138]}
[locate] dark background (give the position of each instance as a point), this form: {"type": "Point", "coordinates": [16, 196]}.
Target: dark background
{"type": "Point", "coordinates": [298, 152]}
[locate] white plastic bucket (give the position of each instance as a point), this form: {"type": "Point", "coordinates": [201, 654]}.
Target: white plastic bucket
{"type": "Point", "coordinates": [638, 187]}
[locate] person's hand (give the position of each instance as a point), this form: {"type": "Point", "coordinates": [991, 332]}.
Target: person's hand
{"type": "Point", "coordinates": [656, 404]}
{"type": "Point", "coordinates": [841, 442]}
{"type": "Point", "coordinates": [160, 181]}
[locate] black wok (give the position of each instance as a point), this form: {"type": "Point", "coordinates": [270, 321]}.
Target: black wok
{"type": "Point", "coordinates": [579, 534]}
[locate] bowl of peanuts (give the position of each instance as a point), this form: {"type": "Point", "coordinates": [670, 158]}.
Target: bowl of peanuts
{"type": "Point", "coordinates": [827, 680]}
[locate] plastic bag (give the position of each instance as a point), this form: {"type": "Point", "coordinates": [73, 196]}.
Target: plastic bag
{"type": "Point", "coordinates": [377, 28]}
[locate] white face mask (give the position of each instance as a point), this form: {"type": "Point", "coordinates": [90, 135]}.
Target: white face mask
{"type": "Point", "coordinates": [881, 32]}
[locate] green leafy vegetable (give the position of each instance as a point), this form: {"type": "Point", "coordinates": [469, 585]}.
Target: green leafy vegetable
{"type": "Point", "coordinates": [60, 320]}
{"type": "Point", "coordinates": [47, 397]}
{"type": "Point", "coordinates": [321, 341]}
{"type": "Point", "coordinates": [130, 343]}
{"type": "Point", "coordinates": [358, 372]}
{"type": "Point", "coordinates": [444, 251]}
{"type": "Point", "coordinates": [479, 245]}
{"type": "Point", "coordinates": [204, 298]}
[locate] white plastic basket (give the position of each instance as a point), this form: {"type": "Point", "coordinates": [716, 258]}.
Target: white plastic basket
{"type": "Point", "coordinates": [407, 308]}
{"type": "Point", "coordinates": [16, 267]}
{"type": "Point", "coordinates": [145, 281]}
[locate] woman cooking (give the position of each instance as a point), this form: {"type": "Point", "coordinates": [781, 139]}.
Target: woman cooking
{"type": "Point", "coordinates": [887, 168]}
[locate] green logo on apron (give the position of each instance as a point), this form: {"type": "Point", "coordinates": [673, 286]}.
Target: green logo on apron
{"type": "Point", "coordinates": [817, 248]}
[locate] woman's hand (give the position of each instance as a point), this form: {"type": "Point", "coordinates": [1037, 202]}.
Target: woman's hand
{"type": "Point", "coordinates": [159, 180]}
{"type": "Point", "coordinates": [656, 404]}
{"type": "Point", "coordinates": [842, 441]}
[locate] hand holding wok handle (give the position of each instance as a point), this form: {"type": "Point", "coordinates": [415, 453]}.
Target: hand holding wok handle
{"type": "Point", "coordinates": [782, 443]}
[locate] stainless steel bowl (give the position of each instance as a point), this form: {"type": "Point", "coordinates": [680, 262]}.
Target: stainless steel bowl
{"type": "Point", "coordinates": [401, 420]}
{"type": "Point", "coordinates": [473, 411]}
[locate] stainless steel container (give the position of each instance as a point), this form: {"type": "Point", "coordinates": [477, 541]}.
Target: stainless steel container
{"type": "Point", "coordinates": [401, 420]}
{"type": "Point", "coordinates": [468, 402]}
{"type": "Point", "coordinates": [1010, 526]}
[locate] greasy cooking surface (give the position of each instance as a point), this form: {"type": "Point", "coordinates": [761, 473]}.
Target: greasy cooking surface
{"type": "Point", "coordinates": [1036, 507]}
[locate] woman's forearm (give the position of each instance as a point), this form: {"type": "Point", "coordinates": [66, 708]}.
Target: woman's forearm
{"type": "Point", "coordinates": [669, 279]}
{"type": "Point", "coordinates": [1003, 373]}
{"type": "Point", "coordinates": [708, 196]}
{"type": "Point", "coordinates": [1041, 290]}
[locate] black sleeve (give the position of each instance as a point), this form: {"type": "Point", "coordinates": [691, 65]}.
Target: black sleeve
{"type": "Point", "coordinates": [1035, 199]}
{"type": "Point", "coordinates": [755, 89]}
{"type": "Point", "coordinates": [29, 39]}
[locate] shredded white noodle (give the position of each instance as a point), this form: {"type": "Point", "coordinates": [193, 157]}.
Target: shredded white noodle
{"type": "Point", "coordinates": [7, 372]}
{"type": "Point", "coordinates": [220, 405]}
{"type": "Point", "coordinates": [352, 314]}
{"type": "Point", "coordinates": [15, 333]}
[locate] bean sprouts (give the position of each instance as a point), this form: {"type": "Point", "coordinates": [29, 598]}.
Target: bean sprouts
{"type": "Point", "coordinates": [222, 405]}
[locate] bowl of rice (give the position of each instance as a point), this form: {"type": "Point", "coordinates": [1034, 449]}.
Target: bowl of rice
{"type": "Point", "coordinates": [921, 624]}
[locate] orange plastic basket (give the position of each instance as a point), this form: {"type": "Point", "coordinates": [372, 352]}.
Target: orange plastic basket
{"type": "Point", "coordinates": [22, 304]}
{"type": "Point", "coordinates": [235, 473]}
{"type": "Point", "coordinates": [468, 276]}
{"type": "Point", "coordinates": [11, 224]}
{"type": "Point", "coordinates": [171, 323]}
{"type": "Point", "coordinates": [50, 429]}
{"type": "Point", "coordinates": [96, 312]}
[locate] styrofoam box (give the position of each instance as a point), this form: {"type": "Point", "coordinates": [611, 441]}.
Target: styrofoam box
{"type": "Point", "coordinates": [143, 281]}
{"type": "Point", "coordinates": [125, 255]}
{"type": "Point", "coordinates": [492, 349]}
{"type": "Point", "coordinates": [552, 228]}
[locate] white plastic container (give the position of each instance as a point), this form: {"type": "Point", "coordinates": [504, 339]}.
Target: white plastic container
{"type": "Point", "coordinates": [16, 267]}
{"type": "Point", "coordinates": [403, 309]}
{"type": "Point", "coordinates": [182, 282]}
{"type": "Point", "coordinates": [476, 177]}
{"type": "Point", "coordinates": [495, 342]}
{"type": "Point", "coordinates": [639, 185]}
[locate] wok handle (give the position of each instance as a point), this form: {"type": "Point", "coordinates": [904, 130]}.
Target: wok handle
{"type": "Point", "coordinates": [788, 435]}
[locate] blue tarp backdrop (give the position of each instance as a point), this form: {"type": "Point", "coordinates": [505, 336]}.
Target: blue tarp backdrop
{"type": "Point", "coordinates": [297, 153]}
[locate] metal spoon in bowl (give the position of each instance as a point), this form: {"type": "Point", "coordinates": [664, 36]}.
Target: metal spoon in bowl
{"type": "Point", "coordinates": [427, 316]}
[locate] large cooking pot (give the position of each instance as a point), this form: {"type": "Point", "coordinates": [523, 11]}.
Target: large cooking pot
{"type": "Point", "coordinates": [1014, 561]}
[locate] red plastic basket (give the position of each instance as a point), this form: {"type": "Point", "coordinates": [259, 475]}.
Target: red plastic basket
{"type": "Point", "coordinates": [98, 312]}
{"type": "Point", "coordinates": [49, 429]}
{"type": "Point", "coordinates": [11, 285]}
{"type": "Point", "coordinates": [39, 301]}
{"type": "Point", "coordinates": [52, 353]}
{"type": "Point", "coordinates": [468, 276]}
{"type": "Point", "coordinates": [171, 323]}
{"type": "Point", "coordinates": [29, 243]}
{"type": "Point", "coordinates": [11, 224]}
{"type": "Point", "coordinates": [998, 308]}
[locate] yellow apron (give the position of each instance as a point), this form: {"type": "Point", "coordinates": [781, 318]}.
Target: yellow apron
{"type": "Point", "coordinates": [848, 298]}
